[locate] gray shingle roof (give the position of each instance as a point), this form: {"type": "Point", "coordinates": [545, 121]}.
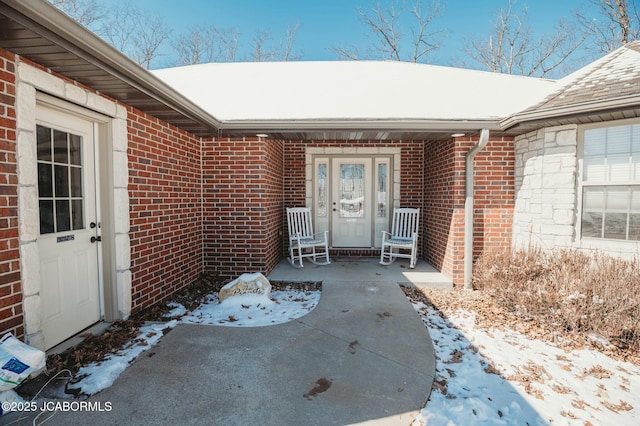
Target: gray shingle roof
{"type": "Point", "coordinates": [615, 76]}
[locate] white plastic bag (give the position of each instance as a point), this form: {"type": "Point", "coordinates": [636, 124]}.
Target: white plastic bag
{"type": "Point", "coordinates": [17, 361]}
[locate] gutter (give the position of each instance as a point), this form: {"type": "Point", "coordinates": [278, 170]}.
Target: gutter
{"type": "Point", "coordinates": [468, 208]}
{"type": "Point", "coordinates": [589, 107]}
{"type": "Point", "coordinates": [405, 124]}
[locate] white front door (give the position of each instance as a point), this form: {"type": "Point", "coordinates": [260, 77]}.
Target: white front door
{"type": "Point", "coordinates": [69, 228]}
{"type": "Point", "coordinates": [352, 203]}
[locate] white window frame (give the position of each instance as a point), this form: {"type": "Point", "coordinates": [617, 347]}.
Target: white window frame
{"type": "Point", "coordinates": [609, 244]}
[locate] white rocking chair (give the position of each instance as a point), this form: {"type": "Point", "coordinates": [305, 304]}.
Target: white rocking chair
{"type": "Point", "coordinates": [302, 240]}
{"type": "Point", "coordinates": [403, 236]}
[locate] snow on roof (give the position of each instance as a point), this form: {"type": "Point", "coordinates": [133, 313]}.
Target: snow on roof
{"type": "Point", "coordinates": [365, 90]}
{"type": "Point", "coordinates": [615, 75]}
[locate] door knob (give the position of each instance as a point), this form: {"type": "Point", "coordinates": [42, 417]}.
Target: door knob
{"type": "Point", "coordinates": [94, 239]}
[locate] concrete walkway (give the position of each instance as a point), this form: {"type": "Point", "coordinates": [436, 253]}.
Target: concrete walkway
{"type": "Point", "coordinates": [362, 356]}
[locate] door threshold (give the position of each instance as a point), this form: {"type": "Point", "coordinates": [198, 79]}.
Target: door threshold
{"type": "Point", "coordinates": [95, 329]}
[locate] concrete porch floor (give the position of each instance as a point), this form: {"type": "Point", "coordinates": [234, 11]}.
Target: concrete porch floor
{"type": "Point", "coordinates": [362, 269]}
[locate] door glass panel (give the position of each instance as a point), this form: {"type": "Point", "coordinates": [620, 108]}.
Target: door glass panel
{"type": "Point", "coordinates": [352, 190]}
{"type": "Point", "coordinates": [60, 181]}
{"type": "Point", "coordinates": [77, 215]}
{"type": "Point", "coordinates": [60, 148]}
{"type": "Point", "coordinates": [322, 190]}
{"type": "Point", "coordinates": [76, 182]}
{"type": "Point", "coordinates": [382, 190]}
{"type": "Point", "coordinates": [75, 150]}
{"type": "Point", "coordinates": [46, 217]}
{"type": "Point", "coordinates": [63, 216]}
{"type": "Point", "coordinates": [45, 182]}
{"type": "Point", "coordinates": [44, 143]}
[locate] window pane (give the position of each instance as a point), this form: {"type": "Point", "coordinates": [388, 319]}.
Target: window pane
{"type": "Point", "coordinates": [322, 190]}
{"type": "Point", "coordinates": [63, 216]}
{"type": "Point", "coordinates": [635, 138]}
{"type": "Point", "coordinates": [592, 208]}
{"type": "Point", "coordinates": [382, 190]}
{"type": "Point", "coordinates": [618, 167]}
{"type": "Point", "coordinates": [618, 140]}
{"type": "Point", "coordinates": [594, 168]}
{"type": "Point", "coordinates": [60, 148]}
{"type": "Point", "coordinates": [634, 215]}
{"type": "Point", "coordinates": [615, 218]}
{"type": "Point", "coordinates": [77, 215]}
{"type": "Point", "coordinates": [62, 181]}
{"type": "Point", "coordinates": [44, 143]}
{"type": "Point", "coordinates": [615, 226]}
{"type": "Point", "coordinates": [46, 216]}
{"type": "Point", "coordinates": [45, 180]}
{"type": "Point", "coordinates": [595, 142]}
{"type": "Point", "coordinates": [75, 149]}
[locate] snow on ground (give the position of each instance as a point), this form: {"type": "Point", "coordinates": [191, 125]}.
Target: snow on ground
{"type": "Point", "coordinates": [543, 385]}
{"type": "Point", "coordinates": [247, 310]}
{"type": "Point", "coordinates": [252, 310]}
{"type": "Point", "coordinates": [483, 377]}
{"type": "Point", "coordinates": [101, 375]}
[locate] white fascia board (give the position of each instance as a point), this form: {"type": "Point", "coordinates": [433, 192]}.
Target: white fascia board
{"type": "Point", "coordinates": [576, 109]}
{"type": "Point", "coordinates": [359, 124]}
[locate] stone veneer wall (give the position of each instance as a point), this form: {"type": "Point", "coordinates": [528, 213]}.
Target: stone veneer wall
{"type": "Point", "coordinates": [545, 184]}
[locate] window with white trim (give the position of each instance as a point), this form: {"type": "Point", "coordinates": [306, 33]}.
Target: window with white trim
{"type": "Point", "coordinates": [611, 183]}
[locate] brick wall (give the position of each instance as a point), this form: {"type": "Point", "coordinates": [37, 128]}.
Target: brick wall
{"type": "Point", "coordinates": [445, 197]}
{"type": "Point", "coordinates": [165, 189]}
{"type": "Point", "coordinates": [243, 182]}
{"type": "Point", "coordinates": [11, 317]}
{"type": "Point", "coordinates": [494, 196]}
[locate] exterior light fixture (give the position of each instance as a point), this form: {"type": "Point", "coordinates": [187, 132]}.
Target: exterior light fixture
{"type": "Point", "coordinates": [262, 135]}
{"type": "Point", "coordinates": [457, 135]}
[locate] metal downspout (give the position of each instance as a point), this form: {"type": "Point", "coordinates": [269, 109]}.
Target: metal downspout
{"type": "Point", "coordinates": [468, 208]}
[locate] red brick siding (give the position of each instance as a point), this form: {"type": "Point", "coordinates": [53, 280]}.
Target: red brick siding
{"type": "Point", "coordinates": [494, 196]}
{"type": "Point", "coordinates": [165, 190]}
{"type": "Point", "coordinates": [445, 197]}
{"type": "Point", "coordinates": [411, 176]}
{"type": "Point", "coordinates": [11, 317]}
{"type": "Point", "coordinates": [243, 182]}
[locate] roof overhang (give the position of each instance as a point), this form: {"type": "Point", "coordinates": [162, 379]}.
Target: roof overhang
{"type": "Point", "coordinates": [579, 113]}
{"type": "Point", "coordinates": [41, 33]}
{"type": "Point", "coordinates": [345, 129]}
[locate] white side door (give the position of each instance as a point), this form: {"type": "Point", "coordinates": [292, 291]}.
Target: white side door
{"type": "Point", "coordinates": [352, 203]}
{"type": "Point", "coordinates": [68, 239]}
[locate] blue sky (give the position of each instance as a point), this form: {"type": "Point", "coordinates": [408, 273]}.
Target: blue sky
{"type": "Point", "coordinates": [327, 23]}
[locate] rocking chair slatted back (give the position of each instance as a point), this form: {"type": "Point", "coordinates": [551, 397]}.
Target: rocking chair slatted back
{"type": "Point", "coordinates": [299, 221]}
{"type": "Point", "coordinates": [303, 242]}
{"type": "Point", "coordinates": [403, 236]}
{"type": "Point", "coordinates": [405, 223]}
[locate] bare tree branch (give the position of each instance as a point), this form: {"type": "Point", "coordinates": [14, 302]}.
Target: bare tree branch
{"type": "Point", "coordinates": [287, 42]}
{"type": "Point", "coordinates": [615, 23]}
{"type": "Point", "coordinates": [386, 25]}
{"type": "Point", "coordinates": [86, 12]}
{"type": "Point", "coordinates": [512, 48]}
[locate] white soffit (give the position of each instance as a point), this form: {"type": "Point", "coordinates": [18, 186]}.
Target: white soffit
{"type": "Point", "coordinates": [358, 90]}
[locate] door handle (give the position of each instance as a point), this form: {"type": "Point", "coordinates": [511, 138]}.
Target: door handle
{"type": "Point", "coordinates": [94, 239]}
